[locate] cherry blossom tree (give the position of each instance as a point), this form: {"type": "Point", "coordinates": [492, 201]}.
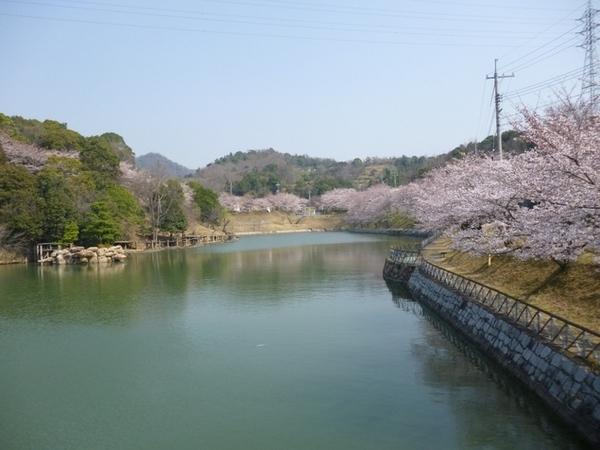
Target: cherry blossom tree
{"type": "Point", "coordinates": [337, 200]}
{"type": "Point", "coordinates": [289, 203]}
{"type": "Point", "coordinates": [562, 180]}
{"type": "Point", "coordinates": [285, 202]}
{"type": "Point", "coordinates": [544, 203]}
{"type": "Point", "coordinates": [231, 202]}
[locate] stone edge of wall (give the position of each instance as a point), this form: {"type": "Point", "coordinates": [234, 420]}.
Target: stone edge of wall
{"type": "Point", "coordinates": [408, 232]}
{"type": "Point", "coordinates": [396, 273]}
{"type": "Point", "coordinates": [570, 389]}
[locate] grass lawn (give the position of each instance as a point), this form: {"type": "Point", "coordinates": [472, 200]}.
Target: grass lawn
{"type": "Point", "coordinates": [276, 221]}
{"type": "Point", "coordinates": [573, 292]}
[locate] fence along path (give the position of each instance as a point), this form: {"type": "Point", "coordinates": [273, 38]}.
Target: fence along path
{"type": "Point", "coordinates": [576, 340]}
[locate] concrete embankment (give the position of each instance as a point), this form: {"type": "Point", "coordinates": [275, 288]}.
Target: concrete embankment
{"type": "Point", "coordinates": [567, 385]}
{"type": "Point", "coordinates": [405, 232]}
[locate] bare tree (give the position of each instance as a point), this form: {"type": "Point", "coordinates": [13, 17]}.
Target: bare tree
{"type": "Point", "coordinates": [156, 196]}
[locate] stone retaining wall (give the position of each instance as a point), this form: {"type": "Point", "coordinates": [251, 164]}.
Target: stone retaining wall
{"type": "Point", "coordinates": [570, 388]}
{"type": "Point", "coordinates": [397, 273]}
{"type": "Point", "coordinates": [408, 232]}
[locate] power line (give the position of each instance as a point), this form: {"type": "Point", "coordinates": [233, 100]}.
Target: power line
{"type": "Point", "coordinates": [443, 2]}
{"type": "Point", "coordinates": [344, 10]}
{"type": "Point", "coordinates": [499, 6]}
{"type": "Point", "coordinates": [561, 20]}
{"type": "Point", "coordinates": [244, 34]}
{"type": "Point", "coordinates": [245, 22]}
{"type": "Point", "coordinates": [541, 85]}
{"type": "Point", "coordinates": [569, 44]}
{"type": "Point", "coordinates": [510, 64]}
{"type": "Point", "coordinates": [537, 107]}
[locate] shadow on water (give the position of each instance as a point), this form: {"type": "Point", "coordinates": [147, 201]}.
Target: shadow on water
{"type": "Point", "coordinates": [439, 353]}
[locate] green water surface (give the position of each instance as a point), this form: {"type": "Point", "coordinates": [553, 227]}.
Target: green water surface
{"type": "Point", "coordinates": [272, 342]}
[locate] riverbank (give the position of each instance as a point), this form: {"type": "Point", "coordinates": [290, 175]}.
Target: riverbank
{"type": "Point", "coordinates": [572, 292]}
{"type": "Point", "coordinates": [557, 360]}
{"type": "Point", "coordinates": [242, 224]}
{"type": "Point", "coordinates": [568, 385]}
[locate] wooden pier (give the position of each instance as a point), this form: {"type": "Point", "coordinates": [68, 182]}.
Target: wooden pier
{"type": "Point", "coordinates": [44, 250]}
{"type": "Point", "coordinates": [186, 241]}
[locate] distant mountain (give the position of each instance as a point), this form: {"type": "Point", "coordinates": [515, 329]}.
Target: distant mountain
{"type": "Point", "coordinates": [259, 172]}
{"type": "Point", "coordinates": [158, 162]}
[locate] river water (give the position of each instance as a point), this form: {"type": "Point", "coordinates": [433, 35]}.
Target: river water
{"type": "Point", "coordinates": [272, 342]}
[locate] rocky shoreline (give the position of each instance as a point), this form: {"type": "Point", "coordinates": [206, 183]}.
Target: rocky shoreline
{"type": "Point", "coordinates": [90, 255]}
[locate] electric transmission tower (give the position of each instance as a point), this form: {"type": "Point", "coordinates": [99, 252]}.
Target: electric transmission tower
{"type": "Point", "coordinates": [589, 83]}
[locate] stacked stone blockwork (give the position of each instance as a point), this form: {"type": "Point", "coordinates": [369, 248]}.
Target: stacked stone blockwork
{"type": "Point", "coordinates": [569, 387]}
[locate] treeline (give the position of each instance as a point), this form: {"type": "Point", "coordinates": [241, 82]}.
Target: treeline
{"type": "Point", "coordinates": [264, 172]}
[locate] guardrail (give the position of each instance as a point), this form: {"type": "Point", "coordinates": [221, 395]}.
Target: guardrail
{"type": "Point", "coordinates": [570, 337]}
{"type": "Point", "coordinates": [428, 240]}
{"type": "Point", "coordinates": [402, 256]}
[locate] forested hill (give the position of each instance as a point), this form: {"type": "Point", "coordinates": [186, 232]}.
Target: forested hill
{"type": "Point", "coordinates": [259, 172]}
{"type": "Point", "coordinates": [57, 185]}
{"type": "Point", "coordinates": [30, 142]}
{"type": "Point", "coordinates": [158, 162]}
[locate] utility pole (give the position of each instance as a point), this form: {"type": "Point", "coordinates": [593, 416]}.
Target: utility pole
{"type": "Point", "coordinates": [589, 85]}
{"type": "Point", "coordinates": [498, 97]}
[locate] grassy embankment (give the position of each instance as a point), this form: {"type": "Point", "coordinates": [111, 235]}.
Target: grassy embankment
{"type": "Point", "coordinates": [278, 222]}
{"type": "Point", "coordinates": [572, 292]}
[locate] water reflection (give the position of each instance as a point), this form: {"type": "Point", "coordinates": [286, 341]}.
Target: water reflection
{"type": "Point", "coordinates": [279, 342]}
{"type": "Point", "coordinates": [107, 293]}
{"type": "Point", "coordinates": [442, 352]}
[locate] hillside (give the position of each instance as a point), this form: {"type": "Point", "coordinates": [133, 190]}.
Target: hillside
{"type": "Point", "coordinates": [30, 141]}
{"type": "Point", "coordinates": [57, 185]}
{"type": "Point", "coordinates": [260, 172]}
{"type": "Point", "coordinates": [155, 162]}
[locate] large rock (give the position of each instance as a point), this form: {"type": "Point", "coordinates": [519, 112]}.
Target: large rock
{"type": "Point", "coordinates": [119, 257]}
{"type": "Point", "coordinates": [82, 255]}
{"type": "Point", "coordinates": [87, 254]}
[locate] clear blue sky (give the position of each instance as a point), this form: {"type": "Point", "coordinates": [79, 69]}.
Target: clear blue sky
{"type": "Point", "coordinates": [194, 80]}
